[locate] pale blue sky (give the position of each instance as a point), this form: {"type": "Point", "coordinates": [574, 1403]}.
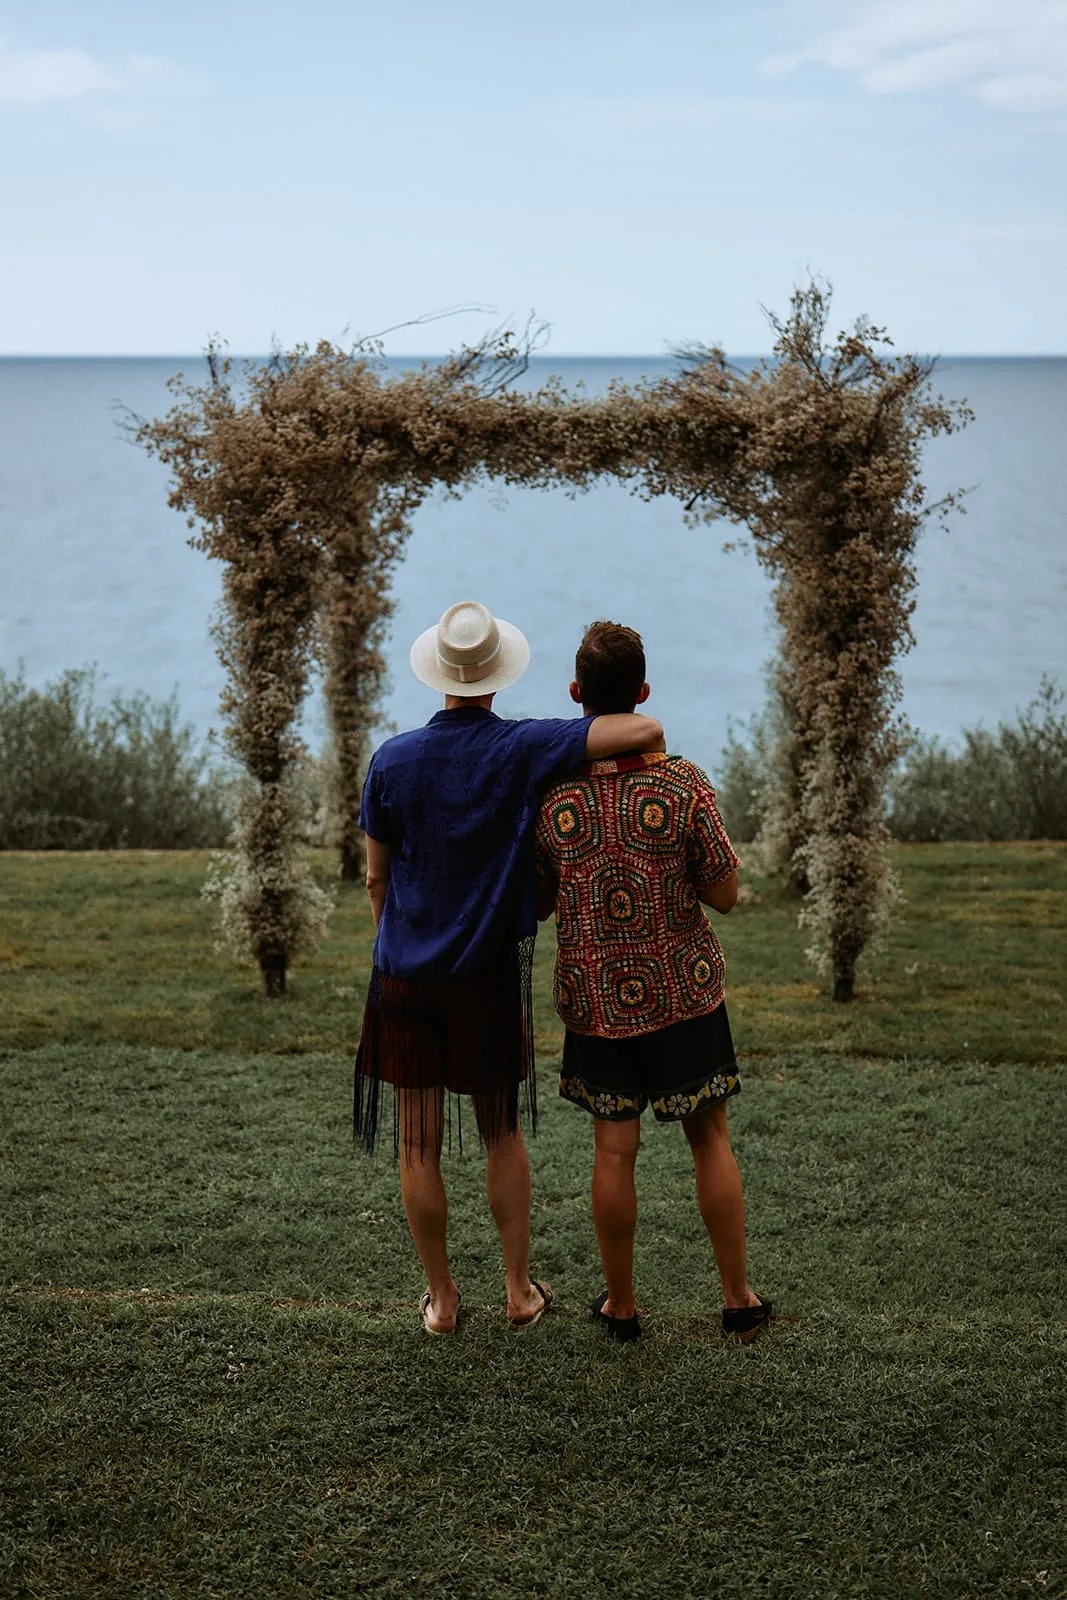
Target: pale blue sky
{"type": "Point", "coordinates": [636, 173]}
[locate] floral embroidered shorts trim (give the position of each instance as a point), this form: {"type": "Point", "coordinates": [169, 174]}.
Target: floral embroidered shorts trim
{"type": "Point", "coordinates": [678, 1071]}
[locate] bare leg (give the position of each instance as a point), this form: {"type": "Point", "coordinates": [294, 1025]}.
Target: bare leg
{"type": "Point", "coordinates": [615, 1209]}
{"type": "Point", "coordinates": [507, 1185]}
{"type": "Point", "coordinates": [425, 1201]}
{"type": "Point", "coordinates": [721, 1201]}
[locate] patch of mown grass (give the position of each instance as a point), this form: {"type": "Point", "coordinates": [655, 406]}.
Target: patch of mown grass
{"type": "Point", "coordinates": [214, 1378]}
{"type": "Point", "coordinates": [230, 1450]}
{"type": "Point", "coordinates": [899, 1432]}
{"type": "Point", "coordinates": [119, 947]}
{"type": "Point", "coordinates": [890, 1184]}
{"type": "Point", "coordinates": [101, 948]}
{"type": "Point", "coordinates": [974, 965]}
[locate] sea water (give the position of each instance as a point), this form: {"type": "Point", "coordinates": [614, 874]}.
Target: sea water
{"type": "Point", "coordinates": [95, 566]}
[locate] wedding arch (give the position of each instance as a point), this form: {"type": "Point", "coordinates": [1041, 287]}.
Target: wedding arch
{"type": "Point", "coordinates": [301, 476]}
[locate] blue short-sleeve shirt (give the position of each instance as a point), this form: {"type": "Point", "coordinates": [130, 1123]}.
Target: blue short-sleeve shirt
{"type": "Point", "coordinates": [456, 802]}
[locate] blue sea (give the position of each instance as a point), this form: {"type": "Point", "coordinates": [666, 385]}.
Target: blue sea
{"type": "Point", "coordinates": [97, 569]}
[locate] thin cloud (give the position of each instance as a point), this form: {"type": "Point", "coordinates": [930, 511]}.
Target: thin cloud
{"type": "Point", "coordinates": [30, 78]}
{"type": "Point", "coordinates": [1012, 56]}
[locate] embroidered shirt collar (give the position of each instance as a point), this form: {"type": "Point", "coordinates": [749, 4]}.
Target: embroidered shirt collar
{"type": "Point", "coordinates": [628, 763]}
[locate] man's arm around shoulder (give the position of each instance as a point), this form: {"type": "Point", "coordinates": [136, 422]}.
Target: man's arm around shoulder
{"type": "Point", "coordinates": [614, 732]}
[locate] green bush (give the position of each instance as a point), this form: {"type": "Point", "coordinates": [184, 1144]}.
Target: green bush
{"type": "Point", "coordinates": [741, 783]}
{"type": "Point", "coordinates": [75, 775]}
{"type": "Point", "coordinates": [1011, 784]}
{"type": "Point", "coordinates": [1007, 785]}
{"type": "Point", "coordinates": [937, 794]}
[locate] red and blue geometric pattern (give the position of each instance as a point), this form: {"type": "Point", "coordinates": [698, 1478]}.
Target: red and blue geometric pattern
{"type": "Point", "coordinates": [625, 851]}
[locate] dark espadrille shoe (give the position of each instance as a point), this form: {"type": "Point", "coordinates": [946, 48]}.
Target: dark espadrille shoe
{"type": "Point", "coordinates": [745, 1322]}
{"type": "Point", "coordinates": [624, 1329]}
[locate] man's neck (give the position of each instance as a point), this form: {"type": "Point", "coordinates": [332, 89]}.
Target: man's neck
{"type": "Point", "coordinates": [458, 702]}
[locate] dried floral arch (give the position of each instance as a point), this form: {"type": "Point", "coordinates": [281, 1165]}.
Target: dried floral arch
{"type": "Point", "coordinates": [302, 479]}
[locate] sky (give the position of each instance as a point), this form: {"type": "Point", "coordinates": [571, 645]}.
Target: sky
{"type": "Point", "coordinates": [636, 174]}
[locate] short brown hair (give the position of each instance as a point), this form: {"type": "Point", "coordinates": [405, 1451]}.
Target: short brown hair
{"type": "Point", "coordinates": [610, 667]}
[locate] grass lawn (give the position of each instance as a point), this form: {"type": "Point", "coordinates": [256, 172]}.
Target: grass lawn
{"type": "Point", "coordinates": [214, 1381]}
{"type": "Point", "coordinates": [117, 948]}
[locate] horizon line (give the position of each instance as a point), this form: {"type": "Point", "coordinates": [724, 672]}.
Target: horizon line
{"type": "Point", "coordinates": [537, 355]}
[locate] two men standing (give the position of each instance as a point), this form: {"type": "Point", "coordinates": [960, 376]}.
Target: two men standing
{"type": "Point", "coordinates": [627, 841]}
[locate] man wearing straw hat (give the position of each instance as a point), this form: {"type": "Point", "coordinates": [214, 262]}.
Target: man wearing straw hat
{"type": "Point", "coordinates": [448, 812]}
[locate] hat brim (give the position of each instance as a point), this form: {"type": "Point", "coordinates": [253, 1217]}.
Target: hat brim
{"type": "Point", "coordinates": [513, 660]}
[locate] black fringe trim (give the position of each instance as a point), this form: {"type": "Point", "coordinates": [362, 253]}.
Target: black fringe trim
{"type": "Point", "coordinates": [447, 1039]}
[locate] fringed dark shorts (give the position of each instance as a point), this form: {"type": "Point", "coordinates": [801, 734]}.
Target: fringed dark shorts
{"type": "Point", "coordinates": [471, 1034]}
{"type": "Point", "coordinates": [679, 1071]}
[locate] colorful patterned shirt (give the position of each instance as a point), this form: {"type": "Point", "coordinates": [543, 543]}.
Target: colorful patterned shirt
{"type": "Point", "coordinates": [624, 848]}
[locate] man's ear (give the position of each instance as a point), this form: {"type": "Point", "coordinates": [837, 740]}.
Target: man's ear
{"type": "Point", "coordinates": [644, 694]}
{"type": "Point", "coordinates": [576, 694]}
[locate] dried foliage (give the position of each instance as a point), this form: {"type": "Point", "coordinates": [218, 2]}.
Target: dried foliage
{"type": "Point", "coordinates": [270, 908]}
{"type": "Point", "coordinates": [231, 478]}
{"type": "Point", "coordinates": [1007, 785]}
{"type": "Point", "coordinates": [301, 478]}
{"type": "Point", "coordinates": [305, 481]}
{"type": "Point", "coordinates": [826, 478]}
{"type": "Point", "coordinates": [363, 449]}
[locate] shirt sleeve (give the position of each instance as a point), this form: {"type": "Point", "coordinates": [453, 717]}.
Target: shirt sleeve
{"type": "Point", "coordinates": [554, 746]}
{"type": "Point", "coordinates": [374, 812]}
{"type": "Point", "coordinates": [710, 857]}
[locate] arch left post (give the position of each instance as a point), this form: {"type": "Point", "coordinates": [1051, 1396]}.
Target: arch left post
{"type": "Point", "coordinates": [227, 448]}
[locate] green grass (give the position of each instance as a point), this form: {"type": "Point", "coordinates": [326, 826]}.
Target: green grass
{"type": "Point", "coordinates": [214, 1381]}
{"type": "Point", "coordinates": [293, 1454]}
{"type": "Point", "coordinates": [117, 948]}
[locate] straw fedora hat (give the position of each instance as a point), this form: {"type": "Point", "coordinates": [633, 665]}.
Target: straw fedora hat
{"type": "Point", "coordinates": [470, 652]}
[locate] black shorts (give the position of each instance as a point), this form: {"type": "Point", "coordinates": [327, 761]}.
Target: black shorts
{"type": "Point", "coordinates": [678, 1071]}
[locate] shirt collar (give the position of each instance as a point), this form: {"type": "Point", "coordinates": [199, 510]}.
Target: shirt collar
{"type": "Point", "coordinates": [461, 713]}
{"type": "Point", "coordinates": [606, 766]}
